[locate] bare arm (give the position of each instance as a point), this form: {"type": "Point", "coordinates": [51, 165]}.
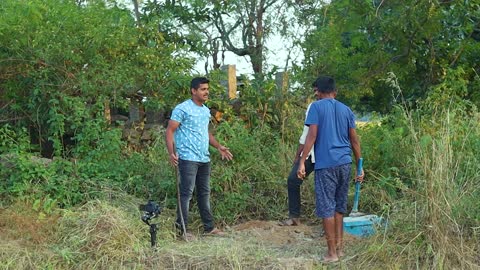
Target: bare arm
{"type": "Point", "coordinates": [224, 151]}
{"type": "Point", "coordinates": [301, 145]}
{"type": "Point", "coordinates": [311, 137]}
{"type": "Point", "coordinates": [172, 126]}
{"type": "Point", "coordinates": [299, 152]}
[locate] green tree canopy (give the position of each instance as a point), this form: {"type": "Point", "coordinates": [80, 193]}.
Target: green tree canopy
{"type": "Point", "coordinates": [60, 62]}
{"type": "Point", "coordinates": [360, 42]}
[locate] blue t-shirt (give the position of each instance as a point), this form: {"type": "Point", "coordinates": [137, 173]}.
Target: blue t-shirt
{"type": "Point", "coordinates": [332, 145]}
{"type": "Point", "coordinates": [191, 136]}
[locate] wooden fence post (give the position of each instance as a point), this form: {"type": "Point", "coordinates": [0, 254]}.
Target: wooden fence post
{"type": "Point", "coordinates": [231, 82]}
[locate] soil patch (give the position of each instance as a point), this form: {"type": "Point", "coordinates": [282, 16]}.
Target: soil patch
{"type": "Point", "coordinates": [271, 232]}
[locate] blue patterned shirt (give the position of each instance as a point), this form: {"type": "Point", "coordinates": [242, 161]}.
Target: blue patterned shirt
{"type": "Point", "coordinates": [191, 136]}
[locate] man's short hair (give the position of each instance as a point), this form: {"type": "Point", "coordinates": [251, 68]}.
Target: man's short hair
{"type": "Point", "coordinates": [325, 84]}
{"type": "Point", "coordinates": [195, 84]}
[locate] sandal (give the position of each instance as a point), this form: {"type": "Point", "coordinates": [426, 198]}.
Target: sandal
{"type": "Point", "coordinates": [215, 232]}
{"type": "Point", "coordinates": [290, 222]}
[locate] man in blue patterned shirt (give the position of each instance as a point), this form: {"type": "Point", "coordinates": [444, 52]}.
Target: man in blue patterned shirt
{"type": "Point", "coordinates": [187, 133]}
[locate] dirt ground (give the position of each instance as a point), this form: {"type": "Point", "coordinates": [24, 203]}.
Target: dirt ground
{"type": "Point", "coordinates": [296, 247]}
{"type": "Point", "coordinates": [272, 232]}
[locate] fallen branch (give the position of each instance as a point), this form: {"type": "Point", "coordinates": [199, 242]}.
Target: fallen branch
{"type": "Point", "coordinates": [11, 119]}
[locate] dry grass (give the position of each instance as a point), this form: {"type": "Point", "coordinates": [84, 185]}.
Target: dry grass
{"type": "Point", "coordinates": [110, 235]}
{"type": "Point", "coordinates": [441, 185]}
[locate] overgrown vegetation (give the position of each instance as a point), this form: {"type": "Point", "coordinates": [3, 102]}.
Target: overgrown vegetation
{"type": "Point", "coordinates": [427, 190]}
{"type": "Point", "coordinates": [72, 181]}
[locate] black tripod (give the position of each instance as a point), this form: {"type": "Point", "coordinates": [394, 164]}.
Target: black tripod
{"type": "Point", "coordinates": [152, 210]}
{"type": "Point", "coordinates": [153, 232]}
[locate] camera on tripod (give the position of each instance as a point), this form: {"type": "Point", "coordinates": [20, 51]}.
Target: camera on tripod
{"type": "Point", "coordinates": [150, 210]}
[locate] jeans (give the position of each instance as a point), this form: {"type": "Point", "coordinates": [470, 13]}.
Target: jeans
{"type": "Point", "coordinates": [294, 184]}
{"type": "Point", "coordinates": [194, 175]}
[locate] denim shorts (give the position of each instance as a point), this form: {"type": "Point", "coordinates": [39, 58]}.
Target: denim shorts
{"type": "Point", "coordinates": [331, 190]}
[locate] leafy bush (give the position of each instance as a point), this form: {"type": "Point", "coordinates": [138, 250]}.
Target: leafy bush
{"type": "Point", "coordinates": [254, 183]}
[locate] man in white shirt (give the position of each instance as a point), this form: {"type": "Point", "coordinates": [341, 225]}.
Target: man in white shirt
{"type": "Point", "coordinates": [293, 181]}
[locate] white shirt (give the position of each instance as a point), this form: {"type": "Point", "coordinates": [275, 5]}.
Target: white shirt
{"type": "Point", "coordinates": [303, 137]}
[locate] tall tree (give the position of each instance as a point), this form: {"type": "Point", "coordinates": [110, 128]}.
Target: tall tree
{"type": "Point", "coordinates": [212, 27]}
{"type": "Point", "coordinates": [250, 22]}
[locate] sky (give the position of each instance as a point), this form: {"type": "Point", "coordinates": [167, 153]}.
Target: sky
{"type": "Point", "coordinates": [276, 56]}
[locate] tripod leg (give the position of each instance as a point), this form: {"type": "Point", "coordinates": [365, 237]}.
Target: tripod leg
{"type": "Point", "coordinates": [153, 235]}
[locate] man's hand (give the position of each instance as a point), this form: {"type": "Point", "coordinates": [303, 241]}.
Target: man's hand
{"type": "Point", "coordinates": [301, 170]}
{"type": "Point", "coordinates": [173, 159]}
{"type": "Point", "coordinates": [359, 178]}
{"type": "Point", "coordinates": [225, 152]}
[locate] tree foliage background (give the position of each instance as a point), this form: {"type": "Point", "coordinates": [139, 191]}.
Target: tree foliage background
{"type": "Point", "coordinates": [411, 66]}
{"type": "Point", "coordinates": [422, 42]}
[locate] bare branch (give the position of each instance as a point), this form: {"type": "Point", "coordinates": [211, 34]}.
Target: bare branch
{"type": "Point", "coordinates": [376, 12]}
{"type": "Point", "coordinates": [8, 103]}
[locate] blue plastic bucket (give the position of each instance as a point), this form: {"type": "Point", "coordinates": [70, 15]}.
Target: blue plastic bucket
{"type": "Point", "coordinates": [362, 226]}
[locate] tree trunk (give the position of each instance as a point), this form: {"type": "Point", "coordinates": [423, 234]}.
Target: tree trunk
{"type": "Point", "coordinates": [137, 13]}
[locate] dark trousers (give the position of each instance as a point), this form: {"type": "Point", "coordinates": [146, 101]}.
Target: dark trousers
{"type": "Point", "coordinates": [294, 183]}
{"type": "Point", "coordinates": [194, 175]}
